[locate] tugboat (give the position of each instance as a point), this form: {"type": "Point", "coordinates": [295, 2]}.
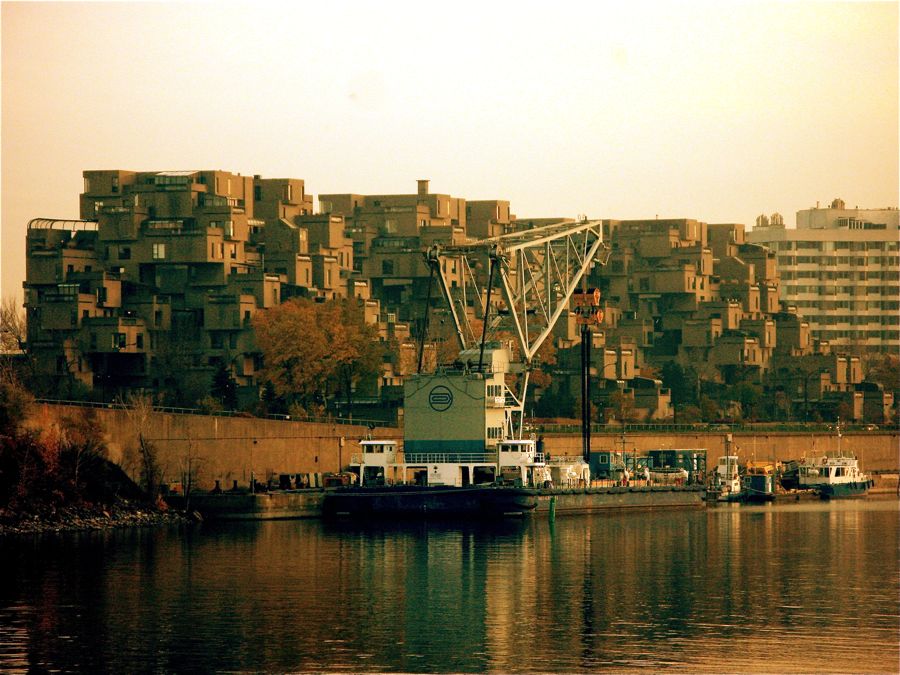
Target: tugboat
{"type": "Point", "coordinates": [834, 475]}
{"type": "Point", "coordinates": [726, 481]}
{"type": "Point", "coordinates": [758, 482]}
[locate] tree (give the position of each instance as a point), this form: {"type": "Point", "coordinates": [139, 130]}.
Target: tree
{"type": "Point", "coordinates": [355, 349]}
{"type": "Point", "coordinates": [83, 447]}
{"type": "Point", "coordinates": [139, 409]}
{"type": "Point", "coordinates": [306, 345]}
{"type": "Point", "coordinates": [224, 388]}
{"type": "Point", "coordinates": [15, 401]}
{"type": "Point", "coordinates": [12, 326]}
{"type": "Point", "coordinates": [675, 378]}
{"type": "Point", "coordinates": [709, 410]}
{"type": "Point", "coordinates": [749, 396]}
{"type": "Point", "coordinates": [621, 405]}
{"type": "Point", "coordinates": [183, 385]}
{"type": "Point", "coordinates": [884, 369]}
{"type": "Point", "coordinates": [294, 348]}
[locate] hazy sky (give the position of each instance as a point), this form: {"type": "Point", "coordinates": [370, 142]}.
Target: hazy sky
{"type": "Point", "coordinates": [717, 111]}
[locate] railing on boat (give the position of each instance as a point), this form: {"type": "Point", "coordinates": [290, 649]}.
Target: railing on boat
{"type": "Point", "coordinates": [450, 458]}
{"type": "Point", "coordinates": [442, 457]}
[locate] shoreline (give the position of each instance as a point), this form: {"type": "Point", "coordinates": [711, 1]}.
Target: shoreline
{"type": "Point", "coordinates": [48, 520]}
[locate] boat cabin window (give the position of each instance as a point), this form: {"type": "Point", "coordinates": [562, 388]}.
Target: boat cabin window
{"type": "Point", "coordinates": [375, 448]}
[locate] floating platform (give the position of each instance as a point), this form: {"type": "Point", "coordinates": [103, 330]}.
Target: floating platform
{"type": "Point", "coordinates": [596, 499]}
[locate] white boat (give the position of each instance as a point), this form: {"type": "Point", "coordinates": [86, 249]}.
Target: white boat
{"type": "Point", "coordinates": [727, 479]}
{"type": "Point", "coordinates": [834, 475]}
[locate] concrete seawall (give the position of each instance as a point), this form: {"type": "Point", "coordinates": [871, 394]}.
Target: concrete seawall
{"type": "Point", "coordinates": [234, 448]}
{"type": "Point", "coordinates": [878, 450]}
{"type": "Point", "coordinates": [222, 448]}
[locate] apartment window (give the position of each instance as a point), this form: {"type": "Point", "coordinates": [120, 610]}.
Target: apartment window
{"type": "Point", "coordinates": [289, 192]}
{"type": "Point", "coordinates": [140, 341]}
{"type": "Point", "coordinates": [118, 341]}
{"type": "Point", "coordinates": [157, 317]}
{"type": "Point", "coordinates": [257, 193]}
{"type": "Point", "coordinates": [233, 251]}
{"type": "Point", "coordinates": [124, 253]}
{"type": "Point", "coordinates": [87, 184]}
{"type": "Point", "coordinates": [115, 183]}
{"type": "Point", "coordinates": [387, 266]}
{"type": "Point", "coordinates": [159, 251]}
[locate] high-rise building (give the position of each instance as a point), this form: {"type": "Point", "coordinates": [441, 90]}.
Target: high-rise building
{"type": "Point", "coordinates": [841, 268]}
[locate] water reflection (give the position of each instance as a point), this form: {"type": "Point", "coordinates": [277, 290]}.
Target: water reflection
{"type": "Point", "coordinates": [775, 588]}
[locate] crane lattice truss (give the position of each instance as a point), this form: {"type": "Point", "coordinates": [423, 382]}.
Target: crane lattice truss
{"type": "Point", "coordinates": [536, 271]}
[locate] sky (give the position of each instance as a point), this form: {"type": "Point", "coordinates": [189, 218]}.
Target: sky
{"type": "Point", "coordinates": [718, 111]}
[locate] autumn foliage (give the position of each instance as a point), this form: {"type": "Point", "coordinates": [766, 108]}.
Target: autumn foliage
{"type": "Point", "coordinates": [312, 350]}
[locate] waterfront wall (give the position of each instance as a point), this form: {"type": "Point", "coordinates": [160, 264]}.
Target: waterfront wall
{"type": "Point", "coordinates": [222, 448]}
{"type": "Point", "coordinates": [877, 450]}
{"type": "Point", "coordinates": [234, 448]}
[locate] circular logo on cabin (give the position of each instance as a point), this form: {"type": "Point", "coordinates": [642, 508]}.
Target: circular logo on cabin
{"type": "Point", "coordinates": [440, 398]}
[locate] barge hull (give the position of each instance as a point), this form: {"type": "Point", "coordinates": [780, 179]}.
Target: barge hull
{"type": "Point", "coordinates": [594, 500]}
{"type": "Point", "coordinates": [407, 501]}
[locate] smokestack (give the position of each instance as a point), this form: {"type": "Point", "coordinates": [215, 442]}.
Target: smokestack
{"type": "Point", "coordinates": [423, 187]}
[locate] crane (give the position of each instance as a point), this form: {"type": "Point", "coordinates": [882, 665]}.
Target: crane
{"type": "Point", "coordinates": [537, 272]}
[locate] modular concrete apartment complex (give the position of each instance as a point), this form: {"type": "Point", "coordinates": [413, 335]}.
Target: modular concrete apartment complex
{"type": "Point", "coordinates": [165, 270]}
{"type": "Point", "coordinates": [841, 268]}
{"type": "Point", "coordinates": [161, 276]}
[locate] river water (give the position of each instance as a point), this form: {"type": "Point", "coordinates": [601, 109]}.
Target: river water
{"type": "Point", "coordinates": [802, 587]}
